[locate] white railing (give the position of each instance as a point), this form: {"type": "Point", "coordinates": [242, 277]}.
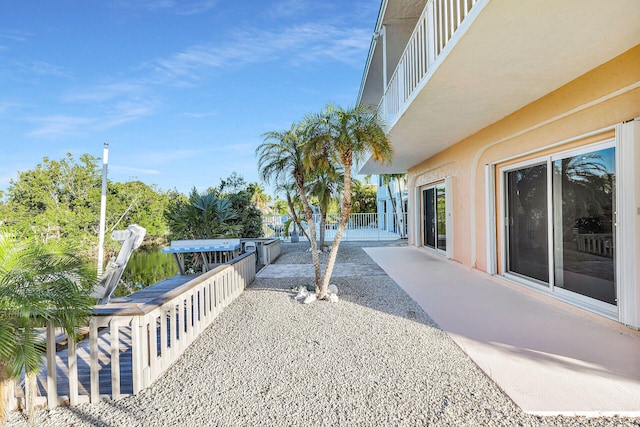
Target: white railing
{"type": "Point", "coordinates": [361, 226]}
{"type": "Point", "coordinates": [128, 348]}
{"type": "Point", "coordinates": [596, 244]}
{"type": "Point", "coordinates": [267, 249]}
{"type": "Point", "coordinates": [439, 20]}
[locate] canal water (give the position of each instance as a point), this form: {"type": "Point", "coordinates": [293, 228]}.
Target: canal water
{"type": "Point", "coordinates": [146, 268]}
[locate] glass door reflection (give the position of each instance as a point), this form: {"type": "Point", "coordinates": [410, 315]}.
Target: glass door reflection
{"type": "Point", "coordinates": [584, 199]}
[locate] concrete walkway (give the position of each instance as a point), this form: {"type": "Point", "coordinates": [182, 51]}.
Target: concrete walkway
{"type": "Point", "coordinates": [549, 357]}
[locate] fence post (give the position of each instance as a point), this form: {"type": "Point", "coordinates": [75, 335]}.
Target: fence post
{"type": "Point", "coordinates": [73, 371]}
{"type": "Point", "coordinates": [52, 383]}
{"type": "Point", "coordinates": [94, 365]}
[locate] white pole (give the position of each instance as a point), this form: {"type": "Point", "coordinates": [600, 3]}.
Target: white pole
{"type": "Point", "coordinates": [103, 208]}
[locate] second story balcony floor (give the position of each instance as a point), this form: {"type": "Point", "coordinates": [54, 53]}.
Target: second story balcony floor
{"type": "Point", "coordinates": [441, 70]}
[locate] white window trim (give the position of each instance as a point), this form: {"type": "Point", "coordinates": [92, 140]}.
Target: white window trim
{"type": "Point", "coordinates": [628, 305]}
{"type": "Point", "coordinates": [628, 222]}
{"type": "Point", "coordinates": [449, 217]}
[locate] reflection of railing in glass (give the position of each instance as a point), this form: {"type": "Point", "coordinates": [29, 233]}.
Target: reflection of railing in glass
{"type": "Point", "coordinates": [596, 244]}
{"type": "Point", "coordinates": [584, 255]}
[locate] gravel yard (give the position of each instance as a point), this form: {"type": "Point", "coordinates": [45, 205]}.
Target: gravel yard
{"type": "Point", "coordinates": [373, 359]}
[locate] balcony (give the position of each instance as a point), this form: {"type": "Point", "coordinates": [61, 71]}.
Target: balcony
{"type": "Point", "coordinates": [465, 64]}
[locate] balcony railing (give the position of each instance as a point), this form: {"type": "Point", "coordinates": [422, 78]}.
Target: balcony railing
{"type": "Point", "coordinates": [439, 21]}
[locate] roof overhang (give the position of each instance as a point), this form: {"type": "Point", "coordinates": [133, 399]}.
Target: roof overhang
{"type": "Point", "coordinates": [512, 53]}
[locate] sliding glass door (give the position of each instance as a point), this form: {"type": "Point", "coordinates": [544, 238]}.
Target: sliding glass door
{"type": "Point", "coordinates": [583, 202]}
{"type": "Point", "coordinates": [563, 205]}
{"type": "Point", "coordinates": [434, 224]}
{"type": "Point", "coordinates": [527, 235]}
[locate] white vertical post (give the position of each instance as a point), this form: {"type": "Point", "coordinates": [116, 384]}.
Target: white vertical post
{"type": "Point", "coordinates": [136, 355]}
{"type": "Point", "coordinates": [94, 365]}
{"type": "Point", "coordinates": [431, 35]}
{"type": "Point", "coordinates": [114, 331]}
{"type": "Point", "coordinates": [103, 207]}
{"type": "Point", "coordinates": [385, 82]}
{"type": "Point", "coordinates": [627, 221]}
{"type": "Point", "coordinates": [73, 372]}
{"type": "Point", "coordinates": [52, 383]}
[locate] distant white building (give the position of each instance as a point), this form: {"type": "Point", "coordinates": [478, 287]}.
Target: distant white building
{"type": "Point", "coordinates": [392, 205]}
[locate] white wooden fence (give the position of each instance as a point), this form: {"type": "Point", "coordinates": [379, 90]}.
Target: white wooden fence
{"type": "Point", "coordinates": [131, 344]}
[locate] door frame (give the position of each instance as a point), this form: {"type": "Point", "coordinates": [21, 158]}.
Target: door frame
{"type": "Point", "coordinates": [603, 308]}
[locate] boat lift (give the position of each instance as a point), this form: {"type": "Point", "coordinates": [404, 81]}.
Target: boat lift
{"type": "Point", "coordinates": [131, 239]}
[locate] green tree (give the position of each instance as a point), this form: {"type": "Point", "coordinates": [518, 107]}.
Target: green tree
{"type": "Point", "coordinates": [242, 196]}
{"type": "Point", "coordinates": [202, 216]}
{"type": "Point", "coordinates": [363, 197]}
{"type": "Point", "coordinates": [40, 285]}
{"type": "Point", "coordinates": [135, 202]}
{"type": "Point", "coordinates": [259, 198]}
{"type": "Point", "coordinates": [280, 159]}
{"type": "Point", "coordinates": [249, 216]}
{"type": "Point", "coordinates": [279, 206]}
{"type": "Point", "coordinates": [324, 186]}
{"type": "Point", "coordinates": [293, 206]}
{"type": "Point", "coordinates": [58, 198]}
{"type": "Point", "coordinates": [61, 199]}
{"type": "Point", "coordinates": [346, 136]}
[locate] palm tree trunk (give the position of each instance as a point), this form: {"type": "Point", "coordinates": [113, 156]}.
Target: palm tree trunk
{"type": "Point", "coordinates": [296, 220]}
{"type": "Point", "coordinates": [31, 396]}
{"type": "Point", "coordinates": [5, 383]}
{"type": "Point", "coordinates": [323, 226]}
{"type": "Point", "coordinates": [345, 211]}
{"type": "Point", "coordinates": [311, 233]}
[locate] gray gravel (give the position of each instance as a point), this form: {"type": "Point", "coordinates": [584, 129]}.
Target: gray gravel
{"type": "Point", "coordinates": [373, 359]}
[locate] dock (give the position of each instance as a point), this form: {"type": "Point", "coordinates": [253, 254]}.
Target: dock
{"type": "Point", "coordinates": [83, 357]}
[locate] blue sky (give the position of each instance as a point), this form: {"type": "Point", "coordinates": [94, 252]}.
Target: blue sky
{"type": "Point", "coordinates": [181, 89]}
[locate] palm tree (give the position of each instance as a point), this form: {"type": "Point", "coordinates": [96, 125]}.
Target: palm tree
{"type": "Point", "coordinates": [293, 205]}
{"type": "Point", "coordinates": [280, 158]}
{"type": "Point", "coordinates": [345, 136]}
{"type": "Point", "coordinates": [259, 197]}
{"type": "Point", "coordinates": [202, 216]}
{"type": "Point", "coordinates": [40, 285]}
{"type": "Point", "coordinates": [325, 186]}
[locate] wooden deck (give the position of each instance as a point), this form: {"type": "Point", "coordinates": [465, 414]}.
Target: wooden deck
{"type": "Point", "coordinates": [132, 341]}
{"type": "Point", "coordinates": [144, 296]}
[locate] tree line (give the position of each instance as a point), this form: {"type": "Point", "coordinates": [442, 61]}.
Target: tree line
{"type": "Point", "coordinates": [60, 199]}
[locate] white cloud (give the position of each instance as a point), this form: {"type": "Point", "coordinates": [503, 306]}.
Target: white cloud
{"type": "Point", "coordinates": [19, 36]}
{"type": "Point", "coordinates": [134, 170]}
{"type": "Point", "coordinates": [56, 126]}
{"type": "Point", "coordinates": [201, 115]}
{"type": "Point", "coordinates": [178, 7]}
{"type": "Point", "coordinates": [8, 107]}
{"type": "Point", "coordinates": [101, 93]}
{"type": "Point", "coordinates": [196, 7]}
{"type": "Point", "coordinates": [42, 68]}
{"type": "Point", "coordinates": [125, 112]}
{"type": "Point", "coordinates": [59, 125]}
{"type": "Point", "coordinates": [296, 45]}
{"type": "Point", "coordinates": [158, 157]}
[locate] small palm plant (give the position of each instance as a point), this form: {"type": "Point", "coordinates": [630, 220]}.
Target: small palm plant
{"type": "Point", "coordinates": [40, 285]}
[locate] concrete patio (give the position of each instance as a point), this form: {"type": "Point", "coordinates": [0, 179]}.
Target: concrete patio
{"type": "Point", "coordinates": [549, 357]}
